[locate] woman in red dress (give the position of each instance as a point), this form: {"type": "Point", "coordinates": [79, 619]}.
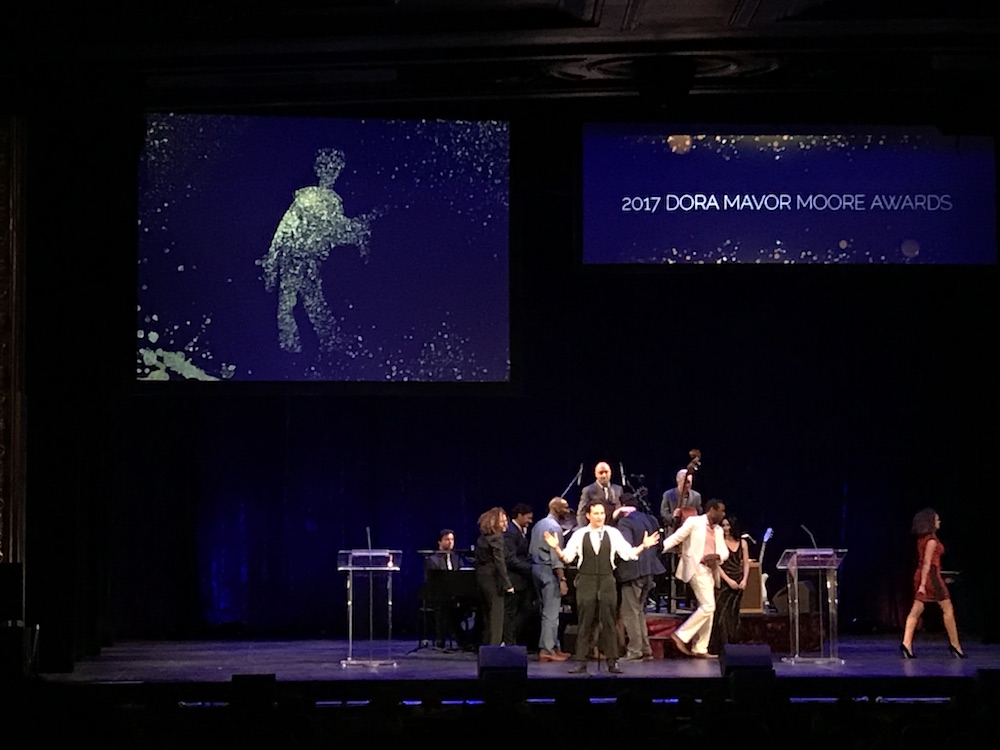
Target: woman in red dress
{"type": "Point", "coordinates": [929, 584]}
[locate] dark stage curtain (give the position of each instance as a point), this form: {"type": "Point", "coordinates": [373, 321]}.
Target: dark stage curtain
{"type": "Point", "coordinates": [841, 399]}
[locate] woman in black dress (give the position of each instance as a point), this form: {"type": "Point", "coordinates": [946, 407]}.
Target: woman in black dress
{"type": "Point", "coordinates": [491, 573]}
{"type": "Point", "coordinates": [733, 574]}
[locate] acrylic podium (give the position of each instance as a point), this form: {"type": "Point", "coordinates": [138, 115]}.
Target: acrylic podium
{"type": "Point", "coordinates": [374, 565]}
{"type": "Point", "coordinates": [820, 565]}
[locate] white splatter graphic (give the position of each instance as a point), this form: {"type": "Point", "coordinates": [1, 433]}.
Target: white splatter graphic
{"type": "Point", "coordinates": [312, 225]}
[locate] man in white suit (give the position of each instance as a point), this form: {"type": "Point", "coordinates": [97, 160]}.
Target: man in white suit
{"type": "Point", "coordinates": [703, 550]}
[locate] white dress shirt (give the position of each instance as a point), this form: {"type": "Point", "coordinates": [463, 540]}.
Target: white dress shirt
{"type": "Point", "coordinates": [619, 547]}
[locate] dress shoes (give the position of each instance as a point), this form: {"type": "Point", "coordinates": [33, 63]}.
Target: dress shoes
{"type": "Point", "coordinates": [681, 645]}
{"type": "Point", "coordinates": [613, 668]}
{"type": "Point", "coordinates": [552, 656]}
{"type": "Point", "coordinates": [706, 655]}
{"type": "Point", "coordinates": [633, 657]}
{"type": "Point", "coordinates": [579, 669]}
{"type": "Point", "coordinates": [907, 654]}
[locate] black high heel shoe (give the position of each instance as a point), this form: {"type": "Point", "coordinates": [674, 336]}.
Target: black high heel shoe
{"type": "Point", "coordinates": [956, 653]}
{"type": "Point", "coordinates": [907, 654]}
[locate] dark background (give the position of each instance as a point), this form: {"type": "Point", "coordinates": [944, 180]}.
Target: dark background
{"type": "Point", "coordinates": [841, 398]}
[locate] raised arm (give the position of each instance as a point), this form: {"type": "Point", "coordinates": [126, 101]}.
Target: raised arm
{"type": "Point", "coordinates": [626, 550]}
{"type": "Point", "coordinates": [552, 540]}
{"type": "Point", "coordinates": [680, 535]}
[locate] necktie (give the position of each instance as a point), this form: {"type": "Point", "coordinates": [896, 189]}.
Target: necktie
{"type": "Point", "coordinates": [605, 492]}
{"type": "Point", "coordinates": [448, 558]}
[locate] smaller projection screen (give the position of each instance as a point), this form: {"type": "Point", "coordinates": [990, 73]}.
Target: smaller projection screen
{"type": "Point", "coordinates": [274, 248]}
{"type": "Point", "coordinates": [664, 194]}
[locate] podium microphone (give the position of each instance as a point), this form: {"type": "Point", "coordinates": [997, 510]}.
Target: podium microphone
{"type": "Point", "coordinates": [803, 527]}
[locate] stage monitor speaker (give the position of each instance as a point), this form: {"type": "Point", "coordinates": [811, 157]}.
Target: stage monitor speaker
{"type": "Point", "coordinates": [503, 660]}
{"type": "Point", "coordinates": [503, 670]}
{"type": "Point", "coordinates": [752, 601]}
{"type": "Point", "coordinates": [749, 671]}
{"type": "Point", "coordinates": [745, 656]}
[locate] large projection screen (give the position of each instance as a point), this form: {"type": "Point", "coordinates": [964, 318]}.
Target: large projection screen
{"type": "Point", "coordinates": [663, 194]}
{"type": "Point", "coordinates": [315, 249]}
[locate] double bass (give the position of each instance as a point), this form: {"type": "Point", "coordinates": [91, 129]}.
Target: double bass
{"type": "Point", "coordinates": [685, 511]}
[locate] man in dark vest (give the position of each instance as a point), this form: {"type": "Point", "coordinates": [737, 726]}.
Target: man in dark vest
{"type": "Point", "coordinates": [597, 547]}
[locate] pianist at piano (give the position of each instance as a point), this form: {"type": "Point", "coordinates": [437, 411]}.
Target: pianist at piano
{"type": "Point", "coordinates": [449, 592]}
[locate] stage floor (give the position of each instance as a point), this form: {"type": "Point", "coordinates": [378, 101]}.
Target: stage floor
{"type": "Point", "coordinates": [870, 658]}
{"type": "Point", "coordinates": [297, 694]}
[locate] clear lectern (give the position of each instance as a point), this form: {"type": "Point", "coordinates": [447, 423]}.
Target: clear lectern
{"type": "Point", "coordinates": [374, 563]}
{"type": "Point", "coordinates": [821, 565]}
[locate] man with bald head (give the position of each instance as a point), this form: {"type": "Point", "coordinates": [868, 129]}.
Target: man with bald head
{"type": "Point", "coordinates": [602, 490]}
{"type": "Point", "coordinates": [549, 574]}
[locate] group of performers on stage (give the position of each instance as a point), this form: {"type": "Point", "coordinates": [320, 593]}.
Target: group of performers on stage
{"type": "Point", "coordinates": [618, 549]}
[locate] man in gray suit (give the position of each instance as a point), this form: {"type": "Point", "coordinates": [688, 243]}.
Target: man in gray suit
{"type": "Point", "coordinates": [672, 510]}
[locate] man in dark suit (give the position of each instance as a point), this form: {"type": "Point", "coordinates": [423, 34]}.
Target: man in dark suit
{"type": "Point", "coordinates": [445, 557]}
{"type": "Point", "coordinates": [636, 580]}
{"type": "Point", "coordinates": [448, 615]}
{"type": "Point", "coordinates": [520, 609]}
{"type": "Point", "coordinates": [603, 490]}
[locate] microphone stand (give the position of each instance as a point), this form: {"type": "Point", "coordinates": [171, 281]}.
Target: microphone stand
{"type": "Point", "coordinates": [803, 527]}
{"type": "Point", "coordinates": [575, 480]}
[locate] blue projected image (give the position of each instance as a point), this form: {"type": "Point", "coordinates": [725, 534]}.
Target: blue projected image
{"type": "Point", "coordinates": [662, 195]}
{"type": "Point", "coordinates": [323, 249]}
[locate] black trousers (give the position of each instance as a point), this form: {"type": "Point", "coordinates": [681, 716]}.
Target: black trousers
{"type": "Point", "coordinates": [518, 610]}
{"type": "Point", "coordinates": [596, 603]}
